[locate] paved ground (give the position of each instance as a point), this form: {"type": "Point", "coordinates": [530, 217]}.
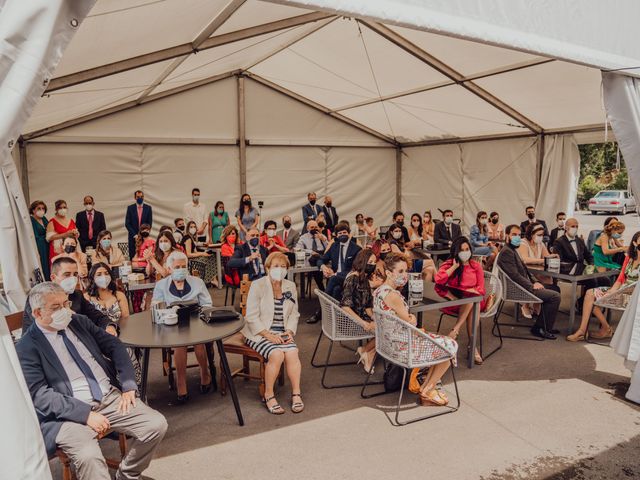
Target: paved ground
{"type": "Point", "coordinates": [590, 222]}
{"type": "Point", "coordinates": [535, 410]}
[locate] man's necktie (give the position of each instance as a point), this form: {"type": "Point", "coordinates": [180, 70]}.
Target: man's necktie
{"type": "Point", "coordinates": [96, 391]}
{"type": "Point", "coordinates": [90, 219]}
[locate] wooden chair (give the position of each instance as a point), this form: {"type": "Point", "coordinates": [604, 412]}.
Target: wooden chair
{"type": "Point", "coordinates": [235, 344]}
{"type": "Point", "coordinates": [65, 461]}
{"type": "Point", "coordinates": [14, 321]}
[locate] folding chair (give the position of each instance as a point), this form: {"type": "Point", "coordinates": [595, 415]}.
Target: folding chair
{"type": "Point", "coordinates": [492, 286]}
{"type": "Point", "coordinates": [408, 347]}
{"type": "Point", "coordinates": [514, 293]}
{"type": "Point", "coordinates": [337, 326]}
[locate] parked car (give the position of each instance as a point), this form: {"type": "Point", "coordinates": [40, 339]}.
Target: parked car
{"type": "Point", "coordinates": [614, 201]}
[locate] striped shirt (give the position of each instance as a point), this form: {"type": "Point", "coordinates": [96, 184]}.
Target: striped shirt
{"type": "Point", "coordinates": [264, 347]}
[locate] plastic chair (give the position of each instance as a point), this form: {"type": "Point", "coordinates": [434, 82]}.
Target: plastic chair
{"type": "Point", "coordinates": [232, 272]}
{"type": "Point", "coordinates": [124, 248]}
{"type": "Point", "coordinates": [514, 293]}
{"type": "Point", "coordinates": [408, 347]}
{"type": "Point", "coordinates": [337, 326]}
{"type": "Point", "coordinates": [591, 239]}
{"type": "Point", "coordinates": [492, 286]}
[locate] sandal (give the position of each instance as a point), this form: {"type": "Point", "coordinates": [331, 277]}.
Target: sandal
{"type": "Point", "coordinates": [608, 333]}
{"type": "Point", "coordinates": [274, 409]}
{"type": "Point", "coordinates": [432, 397]}
{"type": "Point", "coordinates": [297, 407]}
{"type": "Point", "coordinates": [577, 337]}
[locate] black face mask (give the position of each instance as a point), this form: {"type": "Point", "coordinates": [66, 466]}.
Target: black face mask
{"type": "Point", "coordinates": [181, 228]}
{"type": "Point", "coordinates": [313, 232]}
{"type": "Point", "coordinates": [312, 202]}
{"type": "Point", "coordinates": [69, 248]}
{"type": "Point", "coordinates": [343, 238]}
{"type": "Point", "coordinates": [287, 224]}
{"type": "Point", "coordinates": [254, 242]}
{"type": "Point", "coordinates": [494, 220]}
{"type": "Point", "coordinates": [328, 204]}
{"type": "Point", "coordinates": [246, 202]}
{"type": "Point", "coordinates": [369, 268]}
{"type": "Point", "coordinates": [400, 222]}
{"type": "Point", "coordinates": [531, 216]}
{"type": "Point", "coordinates": [383, 255]}
{"type": "Point", "coordinates": [321, 224]}
{"type": "Point", "coordinates": [144, 234]}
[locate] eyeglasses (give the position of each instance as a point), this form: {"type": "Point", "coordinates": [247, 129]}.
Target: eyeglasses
{"type": "Point", "coordinates": [54, 308]}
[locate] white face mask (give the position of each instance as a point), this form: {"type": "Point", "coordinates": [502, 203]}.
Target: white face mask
{"type": "Point", "coordinates": [62, 212]}
{"type": "Point", "coordinates": [278, 274]}
{"type": "Point", "coordinates": [164, 246]}
{"type": "Point", "coordinates": [103, 281]}
{"type": "Point", "coordinates": [401, 279]}
{"type": "Point", "coordinates": [60, 319]}
{"type": "Point", "coordinates": [196, 198]}
{"type": "Point", "coordinates": [69, 284]}
{"type": "Point", "coordinates": [88, 207]}
{"type": "Point", "coordinates": [464, 256]}
{"type": "Point", "coordinates": [448, 220]}
{"type": "Point", "coordinates": [271, 233]}
{"type": "Point", "coordinates": [561, 223]}
{"type": "Point", "coordinates": [537, 239]}
{"type": "Point", "coordinates": [40, 213]}
{"type": "Point", "coordinates": [193, 231]}
{"type": "Point", "coordinates": [572, 232]}
{"type": "Point", "coordinates": [397, 235]}
{"type": "Point", "coordinates": [483, 221]}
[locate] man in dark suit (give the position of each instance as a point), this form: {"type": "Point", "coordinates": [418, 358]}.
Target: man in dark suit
{"type": "Point", "coordinates": [510, 262]}
{"type": "Point", "coordinates": [310, 211]}
{"type": "Point", "coordinates": [330, 213]}
{"type": "Point", "coordinates": [288, 234]}
{"type": "Point", "coordinates": [531, 219]}
{"type": "Point", "coordinates": [64, 272]}
{"type": "Point", "coordinates": [82, 384]}
{"type": "Point", "coordinates": [249, 257]}
{"type": "Point", "coordinates": [559, 231]}
{"type": "Point", "coordinates": [336, 263]}
{"type": "Point", "coordinates": [89, 223]}
{"type": "Point", "coordinates": [137, 214]}
{"type": "Point", "coordinates": [446, 232]}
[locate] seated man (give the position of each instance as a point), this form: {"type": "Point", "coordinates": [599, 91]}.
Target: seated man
{"type": "Point", "coordinates": [510, 262]}
{"type": "Point", "coordinates": [82, 384]}
{"type": "Point", "coordinates": [561, 219]}
{"type": "Point", "coordinates": [314, 243]}
{"type": "Point", "coordinates": [64, 272]}
{"type": "Point", "coordinates": [446, 231]}
{"type": "Point", "coordinates": [531, 219]}
{"type": "Point", "coordinates": [336, 263]}
{"type": "Point", "coordinates": [249, 257]}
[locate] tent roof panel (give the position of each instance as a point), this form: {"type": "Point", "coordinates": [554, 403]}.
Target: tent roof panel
{"type": "Point", "coordinates": [118, 30]}
{"type": "Point", "coordinates": [257, 13]}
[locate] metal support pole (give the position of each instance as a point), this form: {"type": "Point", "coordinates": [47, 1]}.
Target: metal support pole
{"type": "Point", "coordinates": [24, 170]}
{"type": "Point", "coordinates": [539, 167]}
{"type": "Point", "coordinates": [242, 141]}
{"type": "Point", "coordinates": [398, 178]}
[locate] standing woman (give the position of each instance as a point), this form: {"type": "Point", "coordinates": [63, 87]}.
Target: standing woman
{"type": "Point", "coordinates": [218, 221]}
{"type": "Point", "coordinates": [59, 228]}
{"type": "Point", "coordinates": [247, 216]}
{"type": "Point", "coordinates": [39, 223]}
{"type": "Point", "coordinates": [388, 298]}
{"type": "Point", "coordinates": [428, 226]}
{"type": "Point", "coordinates": [271, 324]}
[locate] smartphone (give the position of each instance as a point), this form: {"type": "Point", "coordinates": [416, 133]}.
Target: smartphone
{"type": "Point", "coordinates": [285, 337]}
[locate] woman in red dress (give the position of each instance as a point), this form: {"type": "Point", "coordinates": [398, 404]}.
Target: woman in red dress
{"type": "Point", "coordinates": [59, 228]}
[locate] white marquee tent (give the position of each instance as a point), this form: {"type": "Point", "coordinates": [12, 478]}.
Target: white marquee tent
{"type": "Point", "coordinates": [383, 104]}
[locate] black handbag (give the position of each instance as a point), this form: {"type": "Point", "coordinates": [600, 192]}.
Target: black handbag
{"type": "Point", "coordinates": [392, 377]}
{"type": "Point", "coordinates": [218, 315]}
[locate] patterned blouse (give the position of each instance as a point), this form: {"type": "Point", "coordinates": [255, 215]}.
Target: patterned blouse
{"type": "Point", "coordinates": [357, 296]}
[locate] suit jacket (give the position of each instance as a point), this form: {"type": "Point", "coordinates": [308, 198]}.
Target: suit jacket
{"type": "Point", "coordinates": [328, 212]}
{"type": "Point", "coordinates": [79, 305]}
{"type": "Point", "coordinates": [555, 234]}
{"type": "Point", "coordinates": [238, 260]}
{"type": "Point", "coordinates": [331, 256]}
{"type": "Point", "coordinates": [260, 308]}
{"type": "Point", "coordinates": [441, 235]}
{"type": "Point", "coordinates": [292, 239]}
{"type": "Point", "coordinates": [510, 262]}
{"type": "Point", "coordinates": [49, 385]}
{"type": "Point", "coordinates": [562, 247]}
{"type": "Point", "coordinates": [131, 219]}
{"type": "Point", "coordinates": [525, 224]}
{"type": "Point", "coordinates": [310, 213]}
{"type": "Point", "coordinates": [82, 224]}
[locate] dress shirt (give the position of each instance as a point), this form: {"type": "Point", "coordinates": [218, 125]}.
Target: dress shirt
{"type": "Point", "coordinates": [196, 212]}
{"type": "Point", "coordinates": [574, 245]}
{"type": "Point", "coordinates": [311, 243]}
{"type": "Point", "coordinates": [79, 382]}
{"type": "Point", "coordinates": [140, 214]}
{"type": "Point", "coordinates": [343, 247]}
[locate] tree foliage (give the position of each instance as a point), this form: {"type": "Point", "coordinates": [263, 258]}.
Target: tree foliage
{"type": "Point", "coordinates": [598, 170]}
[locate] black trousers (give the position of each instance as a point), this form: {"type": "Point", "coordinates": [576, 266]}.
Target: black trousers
{"type": "Point", "coordinates": [550, 297]}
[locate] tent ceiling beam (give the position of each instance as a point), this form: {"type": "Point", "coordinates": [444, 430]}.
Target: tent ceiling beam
{"type": "Point", "coordinates": [321, 108]}
{"type": "Point", "coordinates": [454, 75]}
{"type": "Point", "coordinates": [180, 50]}
{"type": "Point", "coordinates": [125, 106]}
{"type": "Point", "coordinates": [209, 30]}
{"type": "Point", "coordinates": [497, 71]}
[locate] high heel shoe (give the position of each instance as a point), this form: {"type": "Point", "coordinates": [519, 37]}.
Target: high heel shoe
{"type": "Point", "coordinates": [182, 399]}
{"type": "Point", "coordinates": [365, 360]}
{"type": "Point", "coordinates": [205, 388]}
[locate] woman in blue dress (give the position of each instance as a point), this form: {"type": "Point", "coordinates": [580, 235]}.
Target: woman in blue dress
{"type": "Point", "coordinates": [39, 222]}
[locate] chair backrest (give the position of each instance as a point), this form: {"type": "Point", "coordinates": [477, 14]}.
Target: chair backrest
{"type": "Point", "coordinates": [197, 267]}
{"type": "Point", "coordinates": [492, 286]}
{"type": "Point", "coordinates": [124, 248]}
{"type": "Point", "coordinates": [383, 229]}
{"type": "Point", "coordinates": [514, 293]}
{"type": "Point", "coordinates": [619, 299]}
{"type": "Point", "coordinates": [591, 239]}
{"type": "Point", "coordinates": [405, 345]}
{"type": "Point", "coordinates": [14, 320]}
{"type": "Point", "coordinates": [337, 324]}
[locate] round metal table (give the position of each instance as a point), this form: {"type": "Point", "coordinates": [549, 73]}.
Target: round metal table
{"type": "Point", "coordinates": [139, 332]}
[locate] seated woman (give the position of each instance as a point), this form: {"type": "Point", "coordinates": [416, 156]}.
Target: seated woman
{"type": "Point", "coordinates": [70, 250]}
{"type": "Point", "coordinates": [104, 296]}
{"type": "Point", "coordinates": [388, 298]}
{"type": "Point", "coordinates": [462, 273]}
{"type": "Point", "coordinates": [270, 240]}
{"type": "Point", "coordinates": [357, 299]}
{"type": "Point", "coordinates": [380, 248]}
{"type": "Point", "coordinates": [479, 236]}
{"type": "Point", "coordinates": [496, 229]}
{"type": "Point", "coordinates": [630, 273]}
{"type": "Point", "coordinates": [608, 244]}
{"type": "Point", "coordinates": [230, 239]}
{"type": "Point", "coordinates": [322, 224]}
{"type": "Point", "coordinates": [189, 242]}
{"type": "Point", "coordinates": [271, 324]}
{"type": "Point", "coordinates": [143, 244]}
{"type": "Point", "coordinates": [179, 287]}
{"type": "Point", "coordinates": [428, 226]}
{"type": "Point", "coordinates": [105, 252]}
{"type": "Point", "coordinates": [416, 231]}
{"type": "Point", "coordinates": [424, 265]}
{"type": "Point", "coordinates": [156, 259]}
{"type": "Point", "coordinates": [370, 229]}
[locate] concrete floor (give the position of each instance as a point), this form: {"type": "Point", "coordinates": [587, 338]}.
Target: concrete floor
{"type": "Point", "coordinates": [535, 410]}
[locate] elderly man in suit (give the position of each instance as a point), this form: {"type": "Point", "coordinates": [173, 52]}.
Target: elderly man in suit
{"type": "Point", "coordinates": [137, 214]}
{"type": "Point", "coordinates": [89, 223]}
{"type": "Point", "coordinates": [310, 211]}
{"type": "Point", "coordinates": [336, 263]}
{"type": "Point", "coordinates": [249, 257]}
{"type": "Point", "coordinates": [288, 234]}
{"type": "Point", "coordinates": [82, 384]}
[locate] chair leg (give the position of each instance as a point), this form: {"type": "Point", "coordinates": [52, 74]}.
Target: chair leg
{"type": "Point", "coordinates": [367, 383]}
{"type": "Point", "coordinates": [315, 350]}
{"type": "Point", "coordinates": [65, 462]}
{"type": "Point", "coordinates": [262, 386]}
{"type": "Point", "coordinates": [169, 363]}
{"type": "Point", "coordinates": [439, 323]}
{"type": "Point", "coordinates": [226, 295]}
{"type": "Point", "coordinates": [212, 366]}
{"type": "Point", "coordinates": [233, 296]}
{"type": "Point", "coordinates": [517, 325]}
{"type": "Point", "coordinates": [223, 382]}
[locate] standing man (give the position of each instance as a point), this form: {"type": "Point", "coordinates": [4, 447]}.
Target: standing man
{"type": "Point", "coordinates": [330, 213]}
{"type": "Point", "coordinates": [89, 223]}
{"type": "Point", "coordinates": [310, 211]}
{"type": "Point", "coordinates": [531, 219]}
{"type": "Point", "coordinates": [137, 214]}
{"type": "Point", "coordinates": [560, 230]}
{"type": "Point", "coordinates": [197, 212]}
{"type": "Point", "coordinates": [288, 234]}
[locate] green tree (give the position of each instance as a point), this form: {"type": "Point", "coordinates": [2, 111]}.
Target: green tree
{"type": "Point", "coordinates": [587, 188]}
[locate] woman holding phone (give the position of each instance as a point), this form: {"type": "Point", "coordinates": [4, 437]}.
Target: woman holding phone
{"type": "Point", "coordinates": [271, 324]}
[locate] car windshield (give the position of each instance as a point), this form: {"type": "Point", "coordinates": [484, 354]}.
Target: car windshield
{"type": "Point", "coordinates": [608, 194]}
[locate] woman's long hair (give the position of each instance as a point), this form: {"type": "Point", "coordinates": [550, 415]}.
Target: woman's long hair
{"type": "Point", "coordinates": [158, 253]}
{"type": "Point", "coordinates": [483, 228]}
{"type": "Point", "coordinates": [138, 237]}
{"type": "Point", "coordinates": [420, 228]}
{"type": "Point", "coordinates": [92, 290]}
{"type": "Point", "coordinates": [241, 207]}
{"type": "Point", "coordinates": [360, 264]}
{"type": "Point", "coordinates": [456, 248]}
